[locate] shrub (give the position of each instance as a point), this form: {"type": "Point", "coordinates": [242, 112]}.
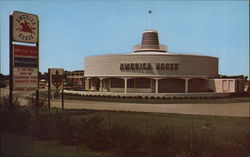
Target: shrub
{"type": "Point", "coordinates": [140, 97]}
{"type": "Point", "coordinates": [161, 143]}
{"type": "Point", "coordinates": [63, 128]}
{"type": "Point", "coordinates": [41, 126]}
{"type": "Point", "coordinates": [15, 119]}
{"type": "Point", "coordinates": [32, 101]}
{"type": "Point", "coordinates": [92, 132]}
{"type": "Point", "coordinates": [127, 142]}
{"type": "Point", "coordinates": [6, 101]}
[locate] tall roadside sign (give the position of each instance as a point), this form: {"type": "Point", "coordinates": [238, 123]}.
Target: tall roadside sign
{"type": "Point", "coordinates": [55, 84]}
{"type": "Point", "coordinates": [24, 53]}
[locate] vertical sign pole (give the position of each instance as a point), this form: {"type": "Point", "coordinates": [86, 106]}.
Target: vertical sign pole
{"type": "Point", "coordinates": [62, 91]}
{"type": "Point", "coordinates": [49, 92]}
{"type": "Point", "coordinates": [249, 125]}
{"type": "Point", "coordinates": [62, 99]}
{"type": "Point", "coordinates": [11, 63]}
{"type": "Point", "coordinates": [37, 45]}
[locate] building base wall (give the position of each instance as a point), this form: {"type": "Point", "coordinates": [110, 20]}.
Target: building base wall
{"type": "Point", "coordinates": [150, 95]}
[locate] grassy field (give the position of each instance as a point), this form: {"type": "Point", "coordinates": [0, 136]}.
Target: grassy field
{"type": "Point", "coordinates": [13, 145]}
{"type": "Point", "coordinates": [208, 136]}
{"type": "Point", "coordinates": [154, 101]}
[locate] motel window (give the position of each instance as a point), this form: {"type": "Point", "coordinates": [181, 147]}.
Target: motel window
{"type": "Point", "coordinates": [117, 83]}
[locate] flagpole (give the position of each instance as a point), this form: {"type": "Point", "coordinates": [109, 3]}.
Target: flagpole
{"type": "Point", "coordinates": [150, 19]}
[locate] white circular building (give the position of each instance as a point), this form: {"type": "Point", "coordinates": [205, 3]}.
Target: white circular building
{"type": "Point", "coordinates": [150, 69]}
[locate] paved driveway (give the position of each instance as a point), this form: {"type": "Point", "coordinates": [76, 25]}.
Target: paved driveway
{"type": "Point", "coordinates": [232, 109]}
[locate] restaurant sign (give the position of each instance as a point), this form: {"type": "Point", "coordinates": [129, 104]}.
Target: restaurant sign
{"type": "Point", "coordinates": [25, 27]}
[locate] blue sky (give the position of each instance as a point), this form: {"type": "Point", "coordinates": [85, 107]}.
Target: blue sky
{"type": "Point", "coordinates": [72, 30]}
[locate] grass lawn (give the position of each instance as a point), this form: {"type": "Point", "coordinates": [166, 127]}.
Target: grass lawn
{"type": "Point", "coordinates": [209, 132]}
{"type": "Point", "coordinates": [13, 145]}
{"type": "Point", "coordinates": [227, 135]}
{"type": "Point", "coordinates": [153, 121]}
{"type": "Point", "coordinates": [153, 101]}
{"type": "Point", "coordinates": [218, 128]}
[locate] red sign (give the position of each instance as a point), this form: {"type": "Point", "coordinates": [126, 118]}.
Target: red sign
{"type": "Point", "coordinates": [25, 51]}
{"type": "Point", "coordinates": [25, 56]}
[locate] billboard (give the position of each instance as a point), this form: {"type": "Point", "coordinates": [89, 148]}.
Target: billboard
{"type": "Point", "coordinates": [25, 27]}
{"type": "Point", "coordinates": [25, 67]}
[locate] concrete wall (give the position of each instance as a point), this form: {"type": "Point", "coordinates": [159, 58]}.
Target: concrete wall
{"type": "Point", "coordinates": [139, 90]}
{"type": "Point", "coordinates": [188, 65]}
{"type": "Point", "coordinates": [117, 90]}
{"type": "Point", "coordinates": [132, 90]}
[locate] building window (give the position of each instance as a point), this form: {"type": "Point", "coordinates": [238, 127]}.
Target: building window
{"type": "Point", "coordinates": [142, 83]}
{"type": "Point", "coordinates": [139, 83]}
{"type": "Point", "coordinates": [131, 83]}
{"type": "Point", "coordinates": [117, 83]}
{"type": "Point", "coordinates": [224, 85]}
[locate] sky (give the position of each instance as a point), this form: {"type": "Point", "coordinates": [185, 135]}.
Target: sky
{"type": "Point", "coordinates": [73, 30]}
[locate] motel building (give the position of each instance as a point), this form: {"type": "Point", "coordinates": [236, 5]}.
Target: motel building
{"type": "Point", "coordinates": [152, 69]}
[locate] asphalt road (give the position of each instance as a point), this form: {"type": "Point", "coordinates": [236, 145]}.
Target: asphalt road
{"type": "Point", "coordinates": [231, 109]}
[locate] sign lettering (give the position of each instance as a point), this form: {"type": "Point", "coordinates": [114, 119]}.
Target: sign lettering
{"type": "Point", "coordinates": [149, 66]}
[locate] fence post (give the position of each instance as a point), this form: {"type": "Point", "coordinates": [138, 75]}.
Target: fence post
{"type": "Point", "coordinates": [147, 125]}
{"type": "Point", "coordinates": [191, 135]}
{"type": "Point", "coordinates": [109, 120]}
{"type": "Point", "coordinates": [147, 136]}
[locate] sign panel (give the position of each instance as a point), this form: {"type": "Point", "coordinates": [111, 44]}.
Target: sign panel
{"type": "Point", "coordinates": [25, 79]}
{"type": "Point", "coordinates": [25, 68]}
{"type": "Point", "coordinates": [56, 78]}
{"type": "Point", "coordinates": [25, 56]}
{"type": "Point", "coordinates": [25, 27]}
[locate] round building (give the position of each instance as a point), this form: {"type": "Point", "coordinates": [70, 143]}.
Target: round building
{"type": "Point", "coordinates": [150, 69]}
